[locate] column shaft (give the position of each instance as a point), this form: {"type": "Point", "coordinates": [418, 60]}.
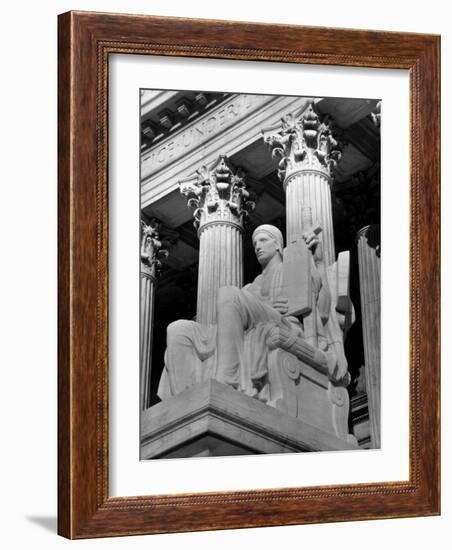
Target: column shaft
{"type": "Point", "coordinates": [221, 202]}
{"type": "Point", "coordinates": [146, 322]}
{"type": "Point", "coordinates": [369, 277]}
{"type": "Point", "coordinates": [310, 188]}
{"type": "Point", "coordinates": [151, 251]}
{"type": "Point", "coordinates": [220, 264]}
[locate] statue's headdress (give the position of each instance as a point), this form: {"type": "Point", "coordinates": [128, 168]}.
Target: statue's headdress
{"type": "Point", "coordinates": [274, 233]}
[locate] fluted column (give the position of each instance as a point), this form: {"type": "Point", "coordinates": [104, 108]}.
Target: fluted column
{"type": "Point", "coordinates": [310, 189]}
{"type": "Point", "coordinates": [150, 264]}
{"type": "Point", "coordinates": [221, 201]}
{"type": "Point", "coordinates": [308, 149]}
{"type": "Point", "coordinates": [368, 242]}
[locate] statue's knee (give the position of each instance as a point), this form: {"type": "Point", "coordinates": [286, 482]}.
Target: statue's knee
{"type": "Point", "coordinates": [226, 295]}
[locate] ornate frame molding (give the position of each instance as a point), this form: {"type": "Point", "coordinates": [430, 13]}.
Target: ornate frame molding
{"type": "Point", "coordinates": [85, 42]}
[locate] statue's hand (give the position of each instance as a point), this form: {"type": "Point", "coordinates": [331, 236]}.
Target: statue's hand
{"type": "Point", "coordinates": [315, 246]}
{"type": "Point", "coordinates": [281, 304]}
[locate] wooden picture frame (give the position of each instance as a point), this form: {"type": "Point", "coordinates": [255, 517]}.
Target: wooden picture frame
{"type": "Point", "coordinates": [85, 42]}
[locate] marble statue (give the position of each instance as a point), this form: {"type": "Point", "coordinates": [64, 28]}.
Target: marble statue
{"type": "Point", "coordinates": [235, 349]}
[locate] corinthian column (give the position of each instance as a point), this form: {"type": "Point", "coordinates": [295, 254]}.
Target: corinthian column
{"type": "Point", "coordinates": [150, 264]}
{"type": "Point", "coordinates": [368, 240]}
{"type": "Point", "coordinates": [218, 195]}
{"type": "Point", "coordinates": [308, 149]}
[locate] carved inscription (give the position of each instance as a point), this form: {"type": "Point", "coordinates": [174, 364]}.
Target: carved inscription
{"type": "Point", "coordinates": [193, 136]}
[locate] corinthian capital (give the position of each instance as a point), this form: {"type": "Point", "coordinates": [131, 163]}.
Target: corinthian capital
{"type": "Point", "coordinates": [217, 193]}
{"type": "Point", "coordinates": [304, 140]}
{"type": "Point", "coordinates": [151, 249]}
{"type": "Point", "coordinates": [376, 115]}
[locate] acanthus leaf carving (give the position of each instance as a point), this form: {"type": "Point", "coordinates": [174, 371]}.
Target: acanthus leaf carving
{"type": "Point", "coordinates": [218, 193]}
{"type": "Point", "coordinates": [306, 140]}
{"type": "Point", "coordinates": [151, 248]}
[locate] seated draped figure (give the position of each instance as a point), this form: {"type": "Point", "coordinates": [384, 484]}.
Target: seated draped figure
{"type": "Point", "coordinates": [235, 350]}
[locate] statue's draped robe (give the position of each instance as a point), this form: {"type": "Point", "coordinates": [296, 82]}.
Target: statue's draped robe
{"type": "Point", "coordinates": [191, 354]}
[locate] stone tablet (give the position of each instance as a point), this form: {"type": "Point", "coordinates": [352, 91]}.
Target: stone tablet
{"type": "Point", "coordinates": [297, 281]}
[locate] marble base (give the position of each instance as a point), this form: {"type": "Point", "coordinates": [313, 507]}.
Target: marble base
{"type": "Point", "coordinates": [213, 419]}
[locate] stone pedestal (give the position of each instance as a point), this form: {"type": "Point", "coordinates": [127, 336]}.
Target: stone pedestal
{"type": "Point", "coordinates": [212, 419]}
{"type": "Point", "coordinates": [368, 242]}
{"type": "Point", "coordinates": [220, 201]}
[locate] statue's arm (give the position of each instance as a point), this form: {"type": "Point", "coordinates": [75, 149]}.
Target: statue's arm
{"type": "Point", "coordinates": [324, 299]}
{"type": "Point", "coordinates": [324, 295]}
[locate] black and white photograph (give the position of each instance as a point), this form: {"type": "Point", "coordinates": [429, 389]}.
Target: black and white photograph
{"type": "Point", "coordinates": [224, 230]}
{"type": "Point", "coordinates": [259, 273]}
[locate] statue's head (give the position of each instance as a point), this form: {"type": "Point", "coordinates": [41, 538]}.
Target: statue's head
{"type": "Point", "coordinates": [267, 241]}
